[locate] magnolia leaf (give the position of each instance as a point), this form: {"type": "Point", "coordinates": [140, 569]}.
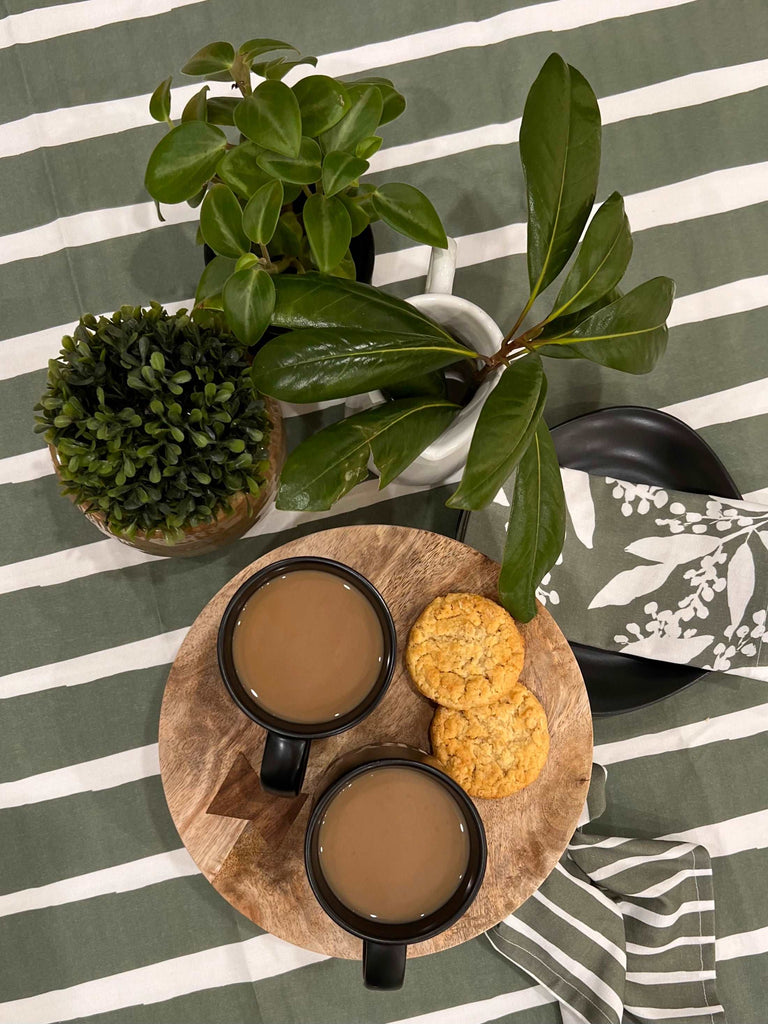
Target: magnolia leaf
{"type": "Point", "coordinates": [409, 211]}
{"type": "Point", "coordinates": [360, 120]}
{"type": "Point", "coordinates": [358, 217]}
{"type": "Point", "coordinates": [561, 325]}
{"type": "Point", "coordinates": [221, 221]}
{"type": "Point", "coordinates": [270, 116]}
{"type": "Point", "coordinates": [431, 384]}
{"type": "Point", "coordinates": [196, 108]}
{"type": "Point", "coordinates": [536, 527]}
{"type": "Point", "coordinates": [303, 169]}
{"type": "Point", "coordinates": [315, 364]}
{"type": "Point", "coordinates": [239, 170]}
{"type": "Point", "coordinates": [183, 161]}
{"type": "Point", "coordinates": [601, 260]}
{"type": "Point", "coordinates": [503, 432]}
{"type": "Point", "coordinates": [221, 109]}
{"type": "Point", "coordinates": [212, 59]}
{"type": "Point", "coordinates": [328, 228]}
{"type": "Point", "coordinates": [560, 152]}
{"type": "Point", "coordinates": [261, 214]}
{"type": "Point", "coordinates": [340, 170]}
{"type": "Point", "coordinates": [629, 334]}
{"type": "Point", "coordinates": [214, 277]}
{"type": "Point", "coordinates": [331, 462]}
{"type": "Point", "coordinates": [160, 101]}
{"type": "Point", "coordinates": [249, 298]}
{"type": "Point", "coordinates": [256, 47]}
{"type": "Point", "coordinates": [323, 102]}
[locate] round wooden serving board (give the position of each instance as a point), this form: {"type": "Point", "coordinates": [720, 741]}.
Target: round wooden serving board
{"type": "Point", "coordinates": [250, 845]}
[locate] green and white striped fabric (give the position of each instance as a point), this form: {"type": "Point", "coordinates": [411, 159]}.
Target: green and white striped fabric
{"type": "Point", "coordinates": [103, 916]}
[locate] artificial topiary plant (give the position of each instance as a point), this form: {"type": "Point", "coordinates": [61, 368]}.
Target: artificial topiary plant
{"type": "Point", "coordinates": [284, 194]}
{"type": "Point", "coordinates": [154, 421]}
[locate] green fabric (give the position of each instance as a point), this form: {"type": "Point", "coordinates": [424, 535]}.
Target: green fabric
{"type": "Point", "coordinates": [94, 884]}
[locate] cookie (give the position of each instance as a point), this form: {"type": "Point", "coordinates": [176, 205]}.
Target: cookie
{"type": "Point", "coordinates": [496, 750]}
{"type": "Point", "coordinates": [465, 651]}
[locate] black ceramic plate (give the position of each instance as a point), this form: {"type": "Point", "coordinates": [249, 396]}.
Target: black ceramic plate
{"type": "Point", "coordinates": [644, 446]}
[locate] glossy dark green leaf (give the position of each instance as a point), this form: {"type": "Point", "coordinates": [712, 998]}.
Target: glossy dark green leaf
{"type": "Point", "coordinates": [214, 58]}
{"type": "Point", "coordinates": [503, 432]}
{"type": "Point", "coordinates": [560, 152]}
{"type": "Point", "coordinates": [432, 384]}
{"type": "Point", "coordinates": [276, 70]}
{"type": "Point", "coordinates": [340, 169]}
{"type": "Point", "coordinates": [270, 116]}
{"type": "Point", "coordinates": [357, 216]}
{"type": "Point", "coordinates": [601, 260]}
{"type": "Point", "coordinates": [536, 527]}
{"type": "Point", "coordinates": [286, 240]}
{"type": "Point", "coordinates": [221, 221]}
{"type": "Point", "coordinates": [221, 109]}
{"type": "Point", "coordinates": [323, 102]}
{"type": "Point", "coordinates": [561, 325]}
{"type": "Point", "coordinates": [367, 147]}
{"type": "Point", "coordinates": [303, 169]}
{"type": "Point", "coordinates": [160, 101]}
{"type": "Point", "coordinates": [214, 277]}
{"type": "Point", "coordinates": [249, 298]}
{"type": "Point", "coordinates": [183, 161]}
{"type": "Point", "coordinates": [409, 211]}
{"type": "Point", "coordinates": [629, 334]}
{"type": "Point", "coordinates": [345, 267]}
{"type": "Point", "coordinates": [239, 170]}
{"type": "Point", "coordinates": [359, 122]}
{"type": "Point", "coordinates": [320, 363]}
{"type": "Point", "coordinates": [328, 228]}
{"type": "Point", "coordinates": [254, 48]}
{"type": "Point", "coordinates": [196, 108]}
{"type": "Point", "coordinates": [331, 462]}
{"type": "Point", "coordinates": [393, 102]}
{"type": "Point", "coordinates": [261, 214]}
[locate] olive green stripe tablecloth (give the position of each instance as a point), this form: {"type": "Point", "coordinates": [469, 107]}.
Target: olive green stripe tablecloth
{"type": "Point", "coordinates": [102, 915]}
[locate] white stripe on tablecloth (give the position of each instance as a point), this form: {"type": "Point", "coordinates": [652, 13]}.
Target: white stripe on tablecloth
{"type": "Point", "coordinates": [598, 894]}
{"type": "Point", "coordinates": [664, 920]}
{"type": "Point", "coordinates": [485, 1010]}
{"type": "Point", "coordinates": [740, 402]}
{"type": "Point", "coordinates": [598, 938]}
{"type": "Point", "coordinates": [73, 124]}
{"type": "Point", "coordinates": [628, 863]}
{"type": "Point", "coordinates": [670, 1013]}
{"type": "Point", "coordinates": [18, 469]}
{"type": "Point", "coordinates": [681, 940]}
{"type": "Point", "coordinates": [264, 956]}
{"type": "Point", "coordinates": [87, 777]}
{"type": "Point", "coordinates": [670, 883]}
{"type": "Point", "coordinates": [135, 874]}
{"type": "Point", "coordinates": [735, 835]}
{"type": "Point", "coordinates": [732, 947]}
{"type": "Point", "coordinates": [760, 496]}
{"type": "Point", "coordinates": [668, 977]}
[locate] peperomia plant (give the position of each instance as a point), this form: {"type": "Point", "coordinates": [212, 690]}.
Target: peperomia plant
{"type": "Point", "coordinates": [282, 191]}
{"type": "Point", "coordinates": [348, 339]}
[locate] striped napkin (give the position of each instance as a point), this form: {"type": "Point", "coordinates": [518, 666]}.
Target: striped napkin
{"type": "Point", "coordinates": [621, 926]}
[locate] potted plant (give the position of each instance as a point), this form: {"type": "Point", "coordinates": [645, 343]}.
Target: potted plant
{"type": "Point", "coordinates": [276, 171]}
{"type": "Point", "coordinates": [156, 432]}
{"type": "Point", "coordinates": [352, 339]}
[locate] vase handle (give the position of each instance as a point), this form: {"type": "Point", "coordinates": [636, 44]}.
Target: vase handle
{"type": "Point", "coordinates": [442, 267]}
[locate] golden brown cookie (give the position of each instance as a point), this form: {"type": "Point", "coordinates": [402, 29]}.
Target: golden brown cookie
{"type": "Point", "coordinates": [465, 651]}
{"type": "Point", "coordinates": [495, 750]}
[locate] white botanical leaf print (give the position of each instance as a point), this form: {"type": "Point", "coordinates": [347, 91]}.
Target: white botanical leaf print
{"type": "Point", "coordinates": [581, 507]}
{"type": "Point", "coordinates": [676, 550]}
{"type": "Point", "coordinates": [678, 649]}
{"type": "Point", "coordinates": [741, 582]}
{"type": "Point", "coordinates": [632, 583]}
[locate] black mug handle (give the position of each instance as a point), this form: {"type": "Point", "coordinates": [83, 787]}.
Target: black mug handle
{"type": "Point", "coordinates": [283, 764]}
{"type": "Point", "coordinates": [383, 965]}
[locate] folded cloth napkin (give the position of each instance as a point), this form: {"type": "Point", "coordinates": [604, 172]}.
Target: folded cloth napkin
{"type": "Point", "coordinates": [620, 926]}
{"type": "Point", "coordinates": [654, 572]}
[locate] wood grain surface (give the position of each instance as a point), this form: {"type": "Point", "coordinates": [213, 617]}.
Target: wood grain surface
{"type": "Point", "coordinates": [249, 845]}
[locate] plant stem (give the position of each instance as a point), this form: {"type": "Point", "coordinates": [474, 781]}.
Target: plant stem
{"type": "Point", "coordinates": [264, 252]}
{"type": "Point", "coordinates": [305, 190]}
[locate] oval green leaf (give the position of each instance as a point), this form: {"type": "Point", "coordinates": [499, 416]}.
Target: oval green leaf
{"type": "Point", "coordinates": [323, 102]}
{"type": "Point", "coordinates": [270, 116]}
{"type": "Point", "coordinates": [160, 101]}
{"type": "Point", "coordinates": [629, 334]}
{"type": "Point", "coordinates": [304, 169]}
{"type": "Point", "coordinates": [560, 152]}
{"type": "Point", "coordinates": [409, 211]}
{"type": "Point", "coordinates": [221, 221]}
{"type": "Point", "coordinates": [276, 70]}
{"type": "Point", "coordinates": [249, 298]}
{"type": "Point", "coordinates": [183, 161]}
{"type": "Point", "coordinates": [601, 260]}
{"type": "Point", "coordinates": [239, 170]}
{"type": "Point", "coordinates": [360, 121]}
{"type": "Point", "coordinates": [393, 102]}
{"type": "Point", "coordinates": [536, 527]}
{"type": "Point", "coordinates": [503, 431]}
{"type": "Point", "coordinates": [367, 147]}
{"type": "Point", "coordinates": [196, 108]}
{"type": "Point", "coordinates": [254, 48]}
{"type": "Point", "coordinates": [340, 170]}
{"type": "Point", "coordinates": [331, 462]}
{"type": "Point", "coordinates": [357, 216]}
{"type": "Point", "coordinates": [328, 228]}
{"type": "Point", "coordinates": [221, 109]}
{"type": "Point", "coordinates": [262, 212]}
{"type": "Point", "coordinates": [214, 58]}
{"type": "Point", "coordinates": [213, 278]}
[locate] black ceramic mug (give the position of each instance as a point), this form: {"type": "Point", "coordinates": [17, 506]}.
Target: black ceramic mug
{"type": "Point", "coordinates": [384, 944]}
{"type": "Point", "coordinates": [286, 752]}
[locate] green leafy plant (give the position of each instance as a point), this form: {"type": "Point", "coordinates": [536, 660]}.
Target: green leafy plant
{"type": "Point", "coordinates": [154, 421]}
{"type": "Point", "coordinates": [276, 172]}
{"type": "Point", "coordinates": [345, 338]}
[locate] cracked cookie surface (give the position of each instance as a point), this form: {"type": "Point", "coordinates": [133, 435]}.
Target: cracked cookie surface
{"type": "Point", "coordinates": [465, 651]}
{"type": "Point", "coordinates": [493, 751]}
